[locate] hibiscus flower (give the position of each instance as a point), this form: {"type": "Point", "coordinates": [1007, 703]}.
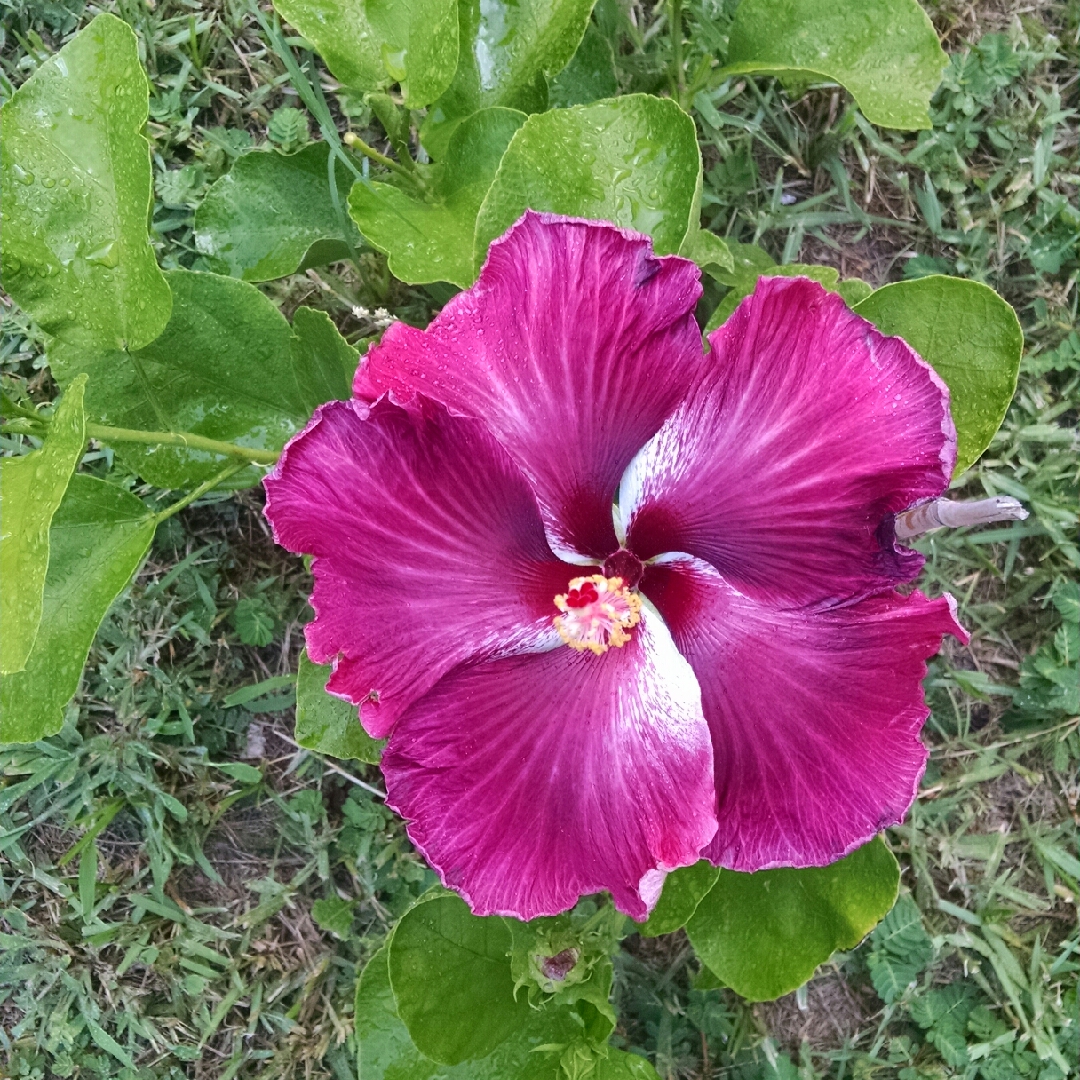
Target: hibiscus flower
{"type": "Point", "coordinates": [620, 603]}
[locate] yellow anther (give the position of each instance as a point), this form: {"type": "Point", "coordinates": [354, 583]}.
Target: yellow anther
{"type": "Point", "coordinates": [596, 613]}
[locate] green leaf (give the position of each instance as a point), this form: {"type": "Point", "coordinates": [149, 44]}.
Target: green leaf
{"type": "Point", "coordinates": [588, 77]}
{"type": "Point", "coordinates": [98, 538]}
{"type": "Point", "coordinates": [396, 121]}
{"type": "Point", "coordinates": [945, 1013]}
{"type": "Point", "coordinates": [227, 367]}
{"type": "Point", "coordinates": [335, 915]}
{"type": "Point", "coordinates": [507, 49]}
{"type": "Point", "coordinates": [622, 1065]}
{"type": "Point", "coordinates": [326, 724]}
{"type": "Point", "coordinates": [901, 934]}
{"type": "Point", "coordinates": [969, 336]}
{"type": "Point", "coordinates": [387, 1053]}
{"type": "Point", "coordinates": [288, 129]}
{"type": "Point", "coordinates": [633, 160]}
{"type": "Point", "coordinates": [890, 976]}
{"type": "Point", "coordinates": [854, 290]}
{"type": "Point", "coordinates": [708, 251]}
{"type": "Point", "coordinates": [325, 361]}
{"type": "Point", "coordinates": [257, 690]}
{"type": "Point", "coordinates": [684, 889]}
{"type": "Point", "coordinates": [238, 770]}
{"type": "Point", "coordinates": [31, 488]}
{"type": "Point", "coordinates": [88, 868]}
{"type": "Point", "coordinates": [748, 263]}
{"type": "Point", "coordinates": [1066, 598]}
{"type": "Point", "coordinates": [108, 1043]}
{"type": "Point", "coordinates": [764, 934]}
{"type": "Point", "coordinates": [254, 621]}
{"type": "Point", "coordinates": [75, 171]}
{"type": "Point", "coordinates": [900, 949]}
{"type": "Point", "coordinates": [432, 239]}
{"type": "Point", "coordinates": [272, 214]}
{"type": "Point", "coordinates": [751, 262]}
{"type": "Point", "coordinates": [450, 971]}
{"type": "Point", "coordinates": [370, 45]}
{"type": "Point", "coordinates": [885, 52]}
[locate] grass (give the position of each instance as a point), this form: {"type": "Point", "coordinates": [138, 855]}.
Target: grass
{"type": "Point", "coordinates": [185, 893]}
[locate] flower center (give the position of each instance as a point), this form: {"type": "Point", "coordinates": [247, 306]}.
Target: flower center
{"type": "Point", "coordinates": [596, 613]}
{"type": "Point", "coordinates": [557, 967]}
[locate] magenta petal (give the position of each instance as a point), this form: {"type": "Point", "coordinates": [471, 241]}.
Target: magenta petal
{"type": "Point", "coordinates": [573, 346]}
{"type": "Point", "coordinates": [785, 466]}
{"type": "Point", "coordinates": [815, 715]}
{"type": "Point", "coordinates": [530, 781]}
{"type": "Point", "coordinates": [428, 545]}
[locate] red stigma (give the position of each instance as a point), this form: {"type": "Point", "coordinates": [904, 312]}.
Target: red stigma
{"type": "Point", "coordinates": [579, 598]}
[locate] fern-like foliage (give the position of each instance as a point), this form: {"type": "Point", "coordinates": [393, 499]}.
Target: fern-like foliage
{"type": "Point", "coordinates": [900, 950]}
{"type": "Point", "coordinates": [943, 1013]}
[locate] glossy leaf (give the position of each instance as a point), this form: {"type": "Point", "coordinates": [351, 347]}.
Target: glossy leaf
{"type": "Point", "coordinates": [325, 362]}
{"type": "Point", "coordinates": [748, 262]}
{"type": "Point", "coordinates": [227, 367]}
{"type": "Point", "coordinates": [31, 488]}
{"type": "Point", "coordinates": [325, 723]}
{"type": "Point", "coordinates": [372, 44]}
{"type": "Point", "coordinates": [387, 1053]}
{"type": "Point", "coordinates": [432, 239]}
{"type": "Point", "coordinates": [77, 193]}
{"type": "Point", "coordinates": [507, 49]}
{"type": "Point", "coordinates": [969, 336]}
{"type": "Point", "coordinates": [710, 252]}
{"type": "Point", "coordinates": [590, 75]}
{"type": "Point", "coordinates": [450, 971]}
{"type": "Point", "coordinates": [271, 215]}
{"type": "Point", "coordinates": [751, 262]}
{"type": "Point", "coordinates": [885, 52]}
{"type": "Point", "coordinates": [683, 890]}
{"type": "Point", "coordinates": [633, 160]}
{"type": "Point", "coordinates": [98, 538]}
{"type": "Point", "coordinates": [763, 934]}
{"type": "Point", "coordinates": [854, 290]}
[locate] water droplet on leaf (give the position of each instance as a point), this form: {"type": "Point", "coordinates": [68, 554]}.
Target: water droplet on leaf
{"type": "Point", "coordinates": [107, 255]}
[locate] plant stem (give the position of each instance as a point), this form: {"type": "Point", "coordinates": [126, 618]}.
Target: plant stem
{"type": "Point", "coordinates": [339, 209]}
{"type": "Point", "coordinates": [353, 141]}
{"type": "Point", "coordinates": [334, 768]}
{"type": "Point", "coordinates": [10, 405]}
{"type": "Point", "coordinates": [202, 489]}
{"type": "Point", "coordinates": [39, 426]}
{"type": "Point", "coordinates": [677, 55]}
{"type": "Point", "coordinates": [185, 439]}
